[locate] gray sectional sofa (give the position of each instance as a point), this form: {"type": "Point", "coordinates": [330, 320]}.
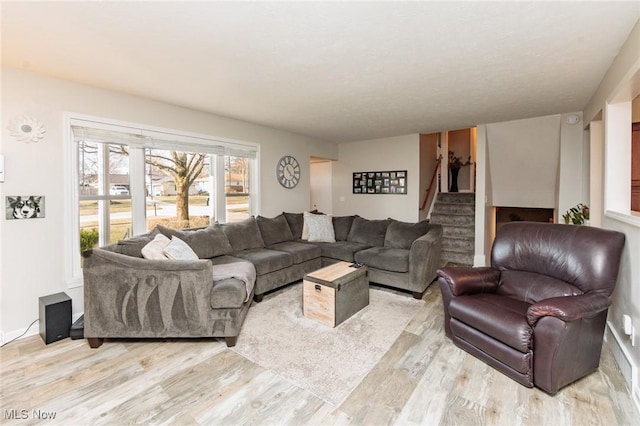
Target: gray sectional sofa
{"type": "Point", "coordinates": [127, 295]}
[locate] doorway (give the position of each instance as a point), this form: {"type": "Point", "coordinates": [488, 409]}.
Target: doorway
{"type": "Point", "coordinates": [320, 184]}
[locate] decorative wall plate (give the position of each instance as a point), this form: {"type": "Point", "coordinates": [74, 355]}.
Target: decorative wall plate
{"type": "Point", "coordinates": [26, 129]}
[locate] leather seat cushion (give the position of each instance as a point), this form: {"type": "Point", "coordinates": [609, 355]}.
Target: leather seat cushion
{"type": "Point", "coordinates": [500, 317]}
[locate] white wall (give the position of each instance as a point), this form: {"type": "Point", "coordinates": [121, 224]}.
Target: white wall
{"type": "Point", "coordinates": [32, 255]}
{"type": "Point", "coordinates": [572, 172]}
{"type": "Point", "coordinates": [395, 153]}
{"type": "Point", "coordinates": [620, 85]}
{"type": "Point", "coordinates": [524, 161]}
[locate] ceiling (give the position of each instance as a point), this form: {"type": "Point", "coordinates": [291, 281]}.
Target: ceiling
{"type": "Point", "coordinates": [336, 71]}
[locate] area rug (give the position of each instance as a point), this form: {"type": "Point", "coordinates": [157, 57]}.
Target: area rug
{"type": "Point", "coordinates": [328, 362]}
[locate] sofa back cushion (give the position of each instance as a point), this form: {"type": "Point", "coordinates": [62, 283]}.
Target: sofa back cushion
{"type": "Point", "coordinates": [132, 246]}
{"type": "Point", "coordinates": [531, 287]}
{"type": "Point", "coordinates": [583, 256]}
{"type": "Point", "coordinates": [370, 232]}
{"type": "Point", "coordinates": [296, 223]}
{"type": "Point", "coordinates": [402, 234]}
{"type": "Point", "coordinates": [206, 242]}
{"type": "Point", "coordinates": [274, 230]}
{"type": "Point", "coordinates": [342, 226]}
{"type": "Point", "coordinates": [243, 235]}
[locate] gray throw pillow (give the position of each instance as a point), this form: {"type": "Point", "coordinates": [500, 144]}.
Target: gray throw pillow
{"type": "Point", "coordinates": [402, 234]}
{"type": "Point", "coordinates": [206, 242]}
{"type": "Point", "coordinates": [342, 226]}
{"type": "Point", "coordinates": [243, 235]}
{"type": "Point", "coordinates": [370, 232]}
{"type": "Point", "coordinates": [274, 230]}
{"type": "Point", "coordinates": [133, 246]}
{"type": "Point", "coordinates": [296, 223]}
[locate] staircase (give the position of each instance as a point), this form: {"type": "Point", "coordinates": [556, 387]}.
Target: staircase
{"type": "Point", "coordinates": [455, 211]}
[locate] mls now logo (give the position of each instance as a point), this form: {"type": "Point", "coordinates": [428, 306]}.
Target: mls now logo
{"type": "Point", "coordinates": [16, 414]}
{"type": "Point", "coordinates": [24, 414]}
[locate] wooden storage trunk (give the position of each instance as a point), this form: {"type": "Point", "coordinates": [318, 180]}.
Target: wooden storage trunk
{"type": "Point", "coordinates": [334, 293]}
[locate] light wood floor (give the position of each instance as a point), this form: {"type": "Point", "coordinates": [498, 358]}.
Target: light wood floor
{"type": "Point", "coordinates": [423, 379]}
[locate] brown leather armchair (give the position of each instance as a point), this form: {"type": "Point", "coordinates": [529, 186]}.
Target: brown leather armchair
{"type": "Point", "coordinates": [538, 313]}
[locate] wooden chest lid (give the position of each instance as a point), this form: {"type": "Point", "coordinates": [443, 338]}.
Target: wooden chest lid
{"type": "Point", "coordinates": [336, 275]}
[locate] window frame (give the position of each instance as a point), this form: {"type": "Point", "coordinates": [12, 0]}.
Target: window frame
{"type": "Point", "coordinates": [617, 167]}
{"type": "Point", "coordinates": [157, 138]}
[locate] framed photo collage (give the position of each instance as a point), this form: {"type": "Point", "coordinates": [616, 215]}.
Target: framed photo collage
{"type": "Point", "coordinates": [391, 182]}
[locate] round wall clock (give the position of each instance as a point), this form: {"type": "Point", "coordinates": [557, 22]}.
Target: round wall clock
{"type": "Point", "coordinates": [288, 172]}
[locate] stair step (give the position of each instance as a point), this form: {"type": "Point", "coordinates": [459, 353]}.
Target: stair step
{"type": "Point", "coordinates": [455, 208]}
{"type": "Point", "coordinates": [457, 197]}
{"type": "Point", "coordinates": [458, 231]}
{"type": "Point", "coordinates": [465, 258]}
{"type": "Point", "coordinates": [458, 244]}
{"type": "Point", "coordinates": [452, 219]}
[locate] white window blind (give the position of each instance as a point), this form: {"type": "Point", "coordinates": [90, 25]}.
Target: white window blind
{"type": "Point", "coordinates": [89, 131]}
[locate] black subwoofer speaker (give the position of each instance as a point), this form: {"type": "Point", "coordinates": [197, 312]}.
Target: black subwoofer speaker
{"type": "Point", "coordinates": [55, 317]}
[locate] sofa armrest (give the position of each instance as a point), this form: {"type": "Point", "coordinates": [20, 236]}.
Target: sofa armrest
{"type": "Point", "coordinates": [470, 280]}
{"type": "Point", "coordinates": [424, 258]}
{"type": "Point", "coordinates": [127, 296]}
{"type": "Point", "coordinates": [569, 308]}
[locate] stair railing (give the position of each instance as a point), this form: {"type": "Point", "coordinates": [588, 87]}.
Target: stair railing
{"type": "Point", "coordinates": [433, 178]}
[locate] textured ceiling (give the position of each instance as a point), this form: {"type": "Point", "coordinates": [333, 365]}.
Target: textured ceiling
{"type": "Point", "coordinates": [338, 71]}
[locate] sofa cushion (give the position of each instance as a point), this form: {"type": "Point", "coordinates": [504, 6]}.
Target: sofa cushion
{"type": "Point", "coordinates": [402, 234]}
{"type": "Point", "coordinates": [388, 259]}
{"type": "Point", "coordinates": [133, 246]}
{"type": "Point", "coordinates": [342, 226]}
{"type": "Point", "coordinates": [274, 230]}
{"type": "Point", "coordinates": [154, 250]}
{"type": "Point", "coordinates": [500, 317]}
{"type": "Point", "coordinates": [206, 242]}
{"type": "Point", "coordinates": [531, 287]}
{"type": "Point", "coordinates": [243, 235]}
{"type": "Point", "coordinates": [300, 252]}
{"type": "Point", "coordinates": [230, 292]}
{"type": "Point", "coordinates": [296, 222]}
{"type": "Point", "coordinates": [320, 228]}
{"type": "Point", "coordinates": [369, 232]}
{"type": "Point", "coordinates": [340, 250]}
{"type": "Point", "coordinates": [179, 250]}
{"type": "Point", "coordinates": [266, 260]}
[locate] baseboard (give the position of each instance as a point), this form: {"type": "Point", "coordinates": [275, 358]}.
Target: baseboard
{"type": "Point", "coordinates": [31, 331]}
{"type": "Point", "coordinates": [623, 358]}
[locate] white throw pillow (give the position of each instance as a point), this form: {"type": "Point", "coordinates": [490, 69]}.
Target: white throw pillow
{"type": "Point", "coordinates": [179, 250]}
{"type": "Point", "coordinates": [305, 228]}
{"type": "Point", "coordinates": [153, 250]}
{"type": "Point", "coordinates": [320, 228]}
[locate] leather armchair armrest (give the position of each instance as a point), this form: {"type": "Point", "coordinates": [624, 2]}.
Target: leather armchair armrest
{"type": "Point", "coordinates": [569, 308]}
{"type": "Point", "coordinates": [470, 280]}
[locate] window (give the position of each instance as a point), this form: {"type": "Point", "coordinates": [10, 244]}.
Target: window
{"type": "Point", "coordinates": [128, 180]}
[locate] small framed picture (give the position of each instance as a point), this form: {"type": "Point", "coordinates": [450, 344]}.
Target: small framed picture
{"type": "Point", "coordinates": [24, 207]}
